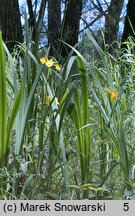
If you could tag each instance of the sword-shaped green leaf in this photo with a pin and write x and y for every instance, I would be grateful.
(3, 104)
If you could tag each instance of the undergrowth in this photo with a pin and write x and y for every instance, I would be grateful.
(67, 131)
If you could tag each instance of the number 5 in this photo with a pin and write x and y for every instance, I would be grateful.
(126, 207)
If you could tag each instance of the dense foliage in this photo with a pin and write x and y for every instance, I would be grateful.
(67, 131)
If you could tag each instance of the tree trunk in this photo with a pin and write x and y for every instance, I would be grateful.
(10, 22)
(54, 26)
(112, 23)
(70, 24)
(36, 20)
(129, 27)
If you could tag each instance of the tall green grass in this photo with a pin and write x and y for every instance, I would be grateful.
(81, 147)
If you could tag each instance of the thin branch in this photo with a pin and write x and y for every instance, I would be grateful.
(93, 21)
(100, 7)
(41, 14)
(32, 20)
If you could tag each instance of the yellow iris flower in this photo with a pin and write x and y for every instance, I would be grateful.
(43, 60)
(113, 94)
(58, 67)
(50, 63)
(47, 100)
